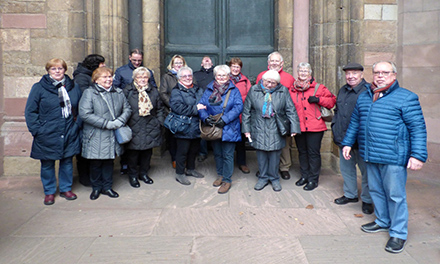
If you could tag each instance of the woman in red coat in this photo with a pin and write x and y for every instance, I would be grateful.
(312, 126)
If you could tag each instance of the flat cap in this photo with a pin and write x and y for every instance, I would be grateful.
(353, 66)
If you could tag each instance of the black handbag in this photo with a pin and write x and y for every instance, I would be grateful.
(177, 123)
(210, 133)
(325, 113)
(283, 124)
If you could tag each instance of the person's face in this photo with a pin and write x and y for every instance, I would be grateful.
(235, 69)
(142, 79)
(221, 77)
(383, 74)
(303, 74)
(177, 64)
(102, 64)
(136, 59)
(206, 63)
(186, 78)
(57, 72)
(275, 62)
(270, 83)
(354, 77)
(105, 80)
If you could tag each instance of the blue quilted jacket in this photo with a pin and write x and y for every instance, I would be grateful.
(390, 130)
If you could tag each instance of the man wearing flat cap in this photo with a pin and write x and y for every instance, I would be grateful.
(345, 104)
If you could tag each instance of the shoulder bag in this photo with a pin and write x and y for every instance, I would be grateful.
(123, 134)
(325, 113)
(177, 123)
(210, 133)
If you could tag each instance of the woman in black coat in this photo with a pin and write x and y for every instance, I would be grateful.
(184, 102)
(145, 121)
(51, 112)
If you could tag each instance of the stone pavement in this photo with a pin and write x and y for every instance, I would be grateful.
(170, 223)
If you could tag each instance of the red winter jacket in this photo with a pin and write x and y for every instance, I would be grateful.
(286, 79)
(308, 113)
(243, 86)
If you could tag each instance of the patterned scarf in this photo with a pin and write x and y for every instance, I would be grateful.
(378, 92)
(144, 103)
(219, 90)
(267, 106)
(302, 86)
(63, 97)
(235, 78)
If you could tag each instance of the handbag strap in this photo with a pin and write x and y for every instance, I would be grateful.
(226, 100)
(108, 105)
(316, 105)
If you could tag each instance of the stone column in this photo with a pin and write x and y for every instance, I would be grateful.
(300, 33)
(152, 10)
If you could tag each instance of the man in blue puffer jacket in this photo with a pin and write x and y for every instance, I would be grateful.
(389, 126)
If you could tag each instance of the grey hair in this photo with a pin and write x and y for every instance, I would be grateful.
(222, 67)
(184, 68)
(275, 53)
(272, 74)
(139, 71)
(305, 65)
(393, 65)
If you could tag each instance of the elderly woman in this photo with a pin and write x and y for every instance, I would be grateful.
(243, 84)
(312, 126)
(147, 116)
(267, 101)
(184, 102)
(167, 83)
(103, 109)
(213, 98)
(51, 112)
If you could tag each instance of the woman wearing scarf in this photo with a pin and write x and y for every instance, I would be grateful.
(243, 84)
(103, 109)
(146, 119)
(51, 113)
(264, 101)
(213, 98)
(312, 126)
(184, 102)
(167, 83)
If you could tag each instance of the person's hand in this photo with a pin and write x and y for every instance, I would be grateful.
(293, 134)
(248, 135)
(220, 123)
(346, 152)
(210, 121)
(313, 99)
(201, 106)
(414, 164)
(115, 124)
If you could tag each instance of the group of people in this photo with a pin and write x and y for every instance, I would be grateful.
(377, 126)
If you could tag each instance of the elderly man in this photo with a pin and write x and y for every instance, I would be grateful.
(124, 74)
(346, 101)
(389, 126)
(275, 62)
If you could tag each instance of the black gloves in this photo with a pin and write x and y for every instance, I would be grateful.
(313, 99)
(220, 123)
(210, 121)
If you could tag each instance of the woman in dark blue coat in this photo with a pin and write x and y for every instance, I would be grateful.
(51, 112)
(213, 98)
(184, 102)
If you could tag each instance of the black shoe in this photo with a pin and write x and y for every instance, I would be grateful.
(110, 193)
(257, 174)
(201, 158)
(301, 182)
(95, 194)
(367, 208)
(134, 182)
(373, 228)
(285, 175)
(310, 186)
(345, 200)
(395, 245)
(146, 179)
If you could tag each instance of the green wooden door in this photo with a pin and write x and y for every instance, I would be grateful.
(221, 29)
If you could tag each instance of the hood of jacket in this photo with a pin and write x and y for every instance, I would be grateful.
(82, 70)
(46, 83)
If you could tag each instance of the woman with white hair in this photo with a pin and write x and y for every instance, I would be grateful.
(213, 98)
(266, 102)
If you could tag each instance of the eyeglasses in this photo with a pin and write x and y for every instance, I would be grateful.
(56, 69)
(186, 76)
(141, 78)
(222, 75)
(270, 82)
(303, 71)
(178, 63)
(383, 73)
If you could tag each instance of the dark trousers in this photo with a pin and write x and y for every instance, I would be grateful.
(269, 164)
(83, 166)
(101, 174)
(141, 157)
(187, 150)
(240, 148)
(309, 151)
(224, 158)
(171, 144)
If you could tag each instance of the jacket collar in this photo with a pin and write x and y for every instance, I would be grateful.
(359, 87)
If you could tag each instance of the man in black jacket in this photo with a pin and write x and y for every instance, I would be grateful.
(345, 104)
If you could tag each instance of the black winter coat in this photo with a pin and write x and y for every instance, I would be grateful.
(55, 137)
(146, 129)
(204, 77)
(184, 101)
(83, 77)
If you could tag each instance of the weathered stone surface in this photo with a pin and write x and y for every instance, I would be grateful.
(12, 7)
(23, 21)
(425, 31)
(18, 86)
(58, 24)
(384, 37)
(20, 166)
(151, 11)
(373, 12)
(15, 39)
(17, 139)
(421, 55)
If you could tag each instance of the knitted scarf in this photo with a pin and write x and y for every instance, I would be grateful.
(144, 103)
(267, 105)
(378, 92)
(63, 97)
(235, 78)
(302, 86)
(219, 90)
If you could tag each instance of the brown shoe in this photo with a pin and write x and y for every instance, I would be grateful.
(174, 164)
(69, 195)
(49, 199)
(224, 188)
(244, 169)
(218, 182)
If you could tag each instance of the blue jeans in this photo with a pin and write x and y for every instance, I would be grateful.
(224, 158)
(348, 171)
(387, 189)
(65, 175)
(203, 150)
(269, 164)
